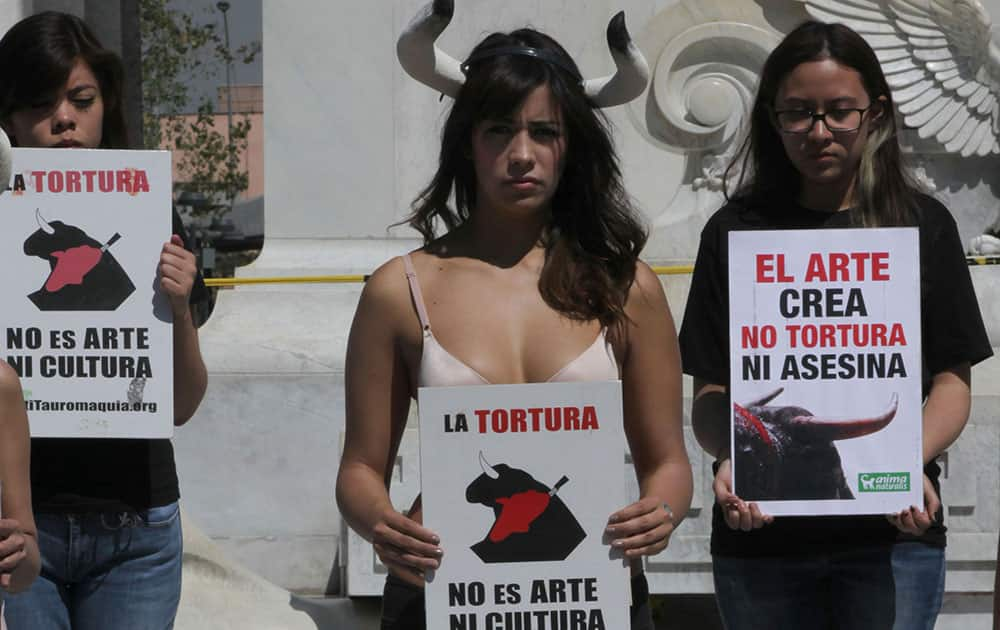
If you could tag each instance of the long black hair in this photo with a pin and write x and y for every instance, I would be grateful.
(884, 193)
(38, 53)
(593, 238)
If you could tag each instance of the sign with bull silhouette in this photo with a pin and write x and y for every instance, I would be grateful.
(825, 370)
(84, 323)
(519, 481)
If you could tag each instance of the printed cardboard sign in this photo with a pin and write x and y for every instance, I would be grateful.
(826, 370)
(519, 482)
(84, 322)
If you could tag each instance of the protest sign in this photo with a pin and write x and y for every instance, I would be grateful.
(825, 370)
(84, 322)
(519, 482)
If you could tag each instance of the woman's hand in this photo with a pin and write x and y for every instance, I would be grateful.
(641, 529)
(916, 521)
(405, 546)
(178, 269)
(12, 549)
(738, 513)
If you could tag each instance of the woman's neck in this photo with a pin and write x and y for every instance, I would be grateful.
(503, 239)
(832, 197)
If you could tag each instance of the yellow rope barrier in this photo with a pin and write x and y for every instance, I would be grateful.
(673, 270)
(229, 282)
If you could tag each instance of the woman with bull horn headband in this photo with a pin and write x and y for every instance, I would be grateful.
(543, 233)
(107, 511)
(822, 152)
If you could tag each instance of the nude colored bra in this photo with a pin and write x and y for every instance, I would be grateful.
(440, 368)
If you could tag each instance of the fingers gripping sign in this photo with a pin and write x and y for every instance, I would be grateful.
(642, 528)
(405, 546)
(914, 520)
(738, 513)
(178, 270)
(12, 549)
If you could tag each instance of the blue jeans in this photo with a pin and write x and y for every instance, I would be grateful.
(919, 573)
(105, 571)
(849, 590)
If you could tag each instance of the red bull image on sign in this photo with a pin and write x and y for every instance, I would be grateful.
(83, 276)
(532, 523)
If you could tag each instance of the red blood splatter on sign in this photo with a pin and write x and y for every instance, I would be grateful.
(519, 511)
(71, 266)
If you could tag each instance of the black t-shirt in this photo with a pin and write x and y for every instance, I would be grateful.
(952, 333)
(100, 474)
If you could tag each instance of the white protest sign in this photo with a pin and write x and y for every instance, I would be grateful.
(519, 482)
(84, 322)
(825, 370)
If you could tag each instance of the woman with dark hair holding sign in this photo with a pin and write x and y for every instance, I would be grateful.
(107, 513)
(822, 152)
(537, 279)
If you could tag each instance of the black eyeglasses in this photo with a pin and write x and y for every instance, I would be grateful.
(837, 119)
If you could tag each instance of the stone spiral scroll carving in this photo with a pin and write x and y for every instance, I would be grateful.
(705, 64)
(702, 85)
(940, 61)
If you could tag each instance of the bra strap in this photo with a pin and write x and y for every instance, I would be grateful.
(418, 299)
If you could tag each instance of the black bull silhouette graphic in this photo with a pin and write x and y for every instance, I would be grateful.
(83, 275)
(532, 523)
(787, 453)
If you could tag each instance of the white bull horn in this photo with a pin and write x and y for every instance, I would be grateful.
(419, 54)
(42, 223)
(6, 162)
(631, 74)
(422, 59)
(489, 470)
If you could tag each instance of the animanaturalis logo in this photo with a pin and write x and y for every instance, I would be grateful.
(884, 482)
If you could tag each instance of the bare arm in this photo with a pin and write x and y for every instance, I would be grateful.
(712, 421)
(710, 418)
(946, 410)
(19, 559)
(178, 270)
(651, 387)
(945, 414)
(378, 399)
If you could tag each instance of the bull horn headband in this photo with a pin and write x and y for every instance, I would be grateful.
(422, 59)
(525, 51)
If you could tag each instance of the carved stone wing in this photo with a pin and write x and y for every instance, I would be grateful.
(940, 62)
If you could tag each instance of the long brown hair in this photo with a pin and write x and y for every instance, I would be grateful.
(593, 237)
(36, 57)
(885, 193)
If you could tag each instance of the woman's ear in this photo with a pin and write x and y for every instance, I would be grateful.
(879, 109)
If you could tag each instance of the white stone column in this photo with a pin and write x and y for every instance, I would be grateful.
(11, 12)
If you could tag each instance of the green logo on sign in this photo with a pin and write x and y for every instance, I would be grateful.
(884, 482)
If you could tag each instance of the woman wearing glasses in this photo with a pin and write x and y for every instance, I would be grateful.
(822, 152)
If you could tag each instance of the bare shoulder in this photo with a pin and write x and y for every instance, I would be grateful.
(646, 291)
(386, 287)
(386, 304)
